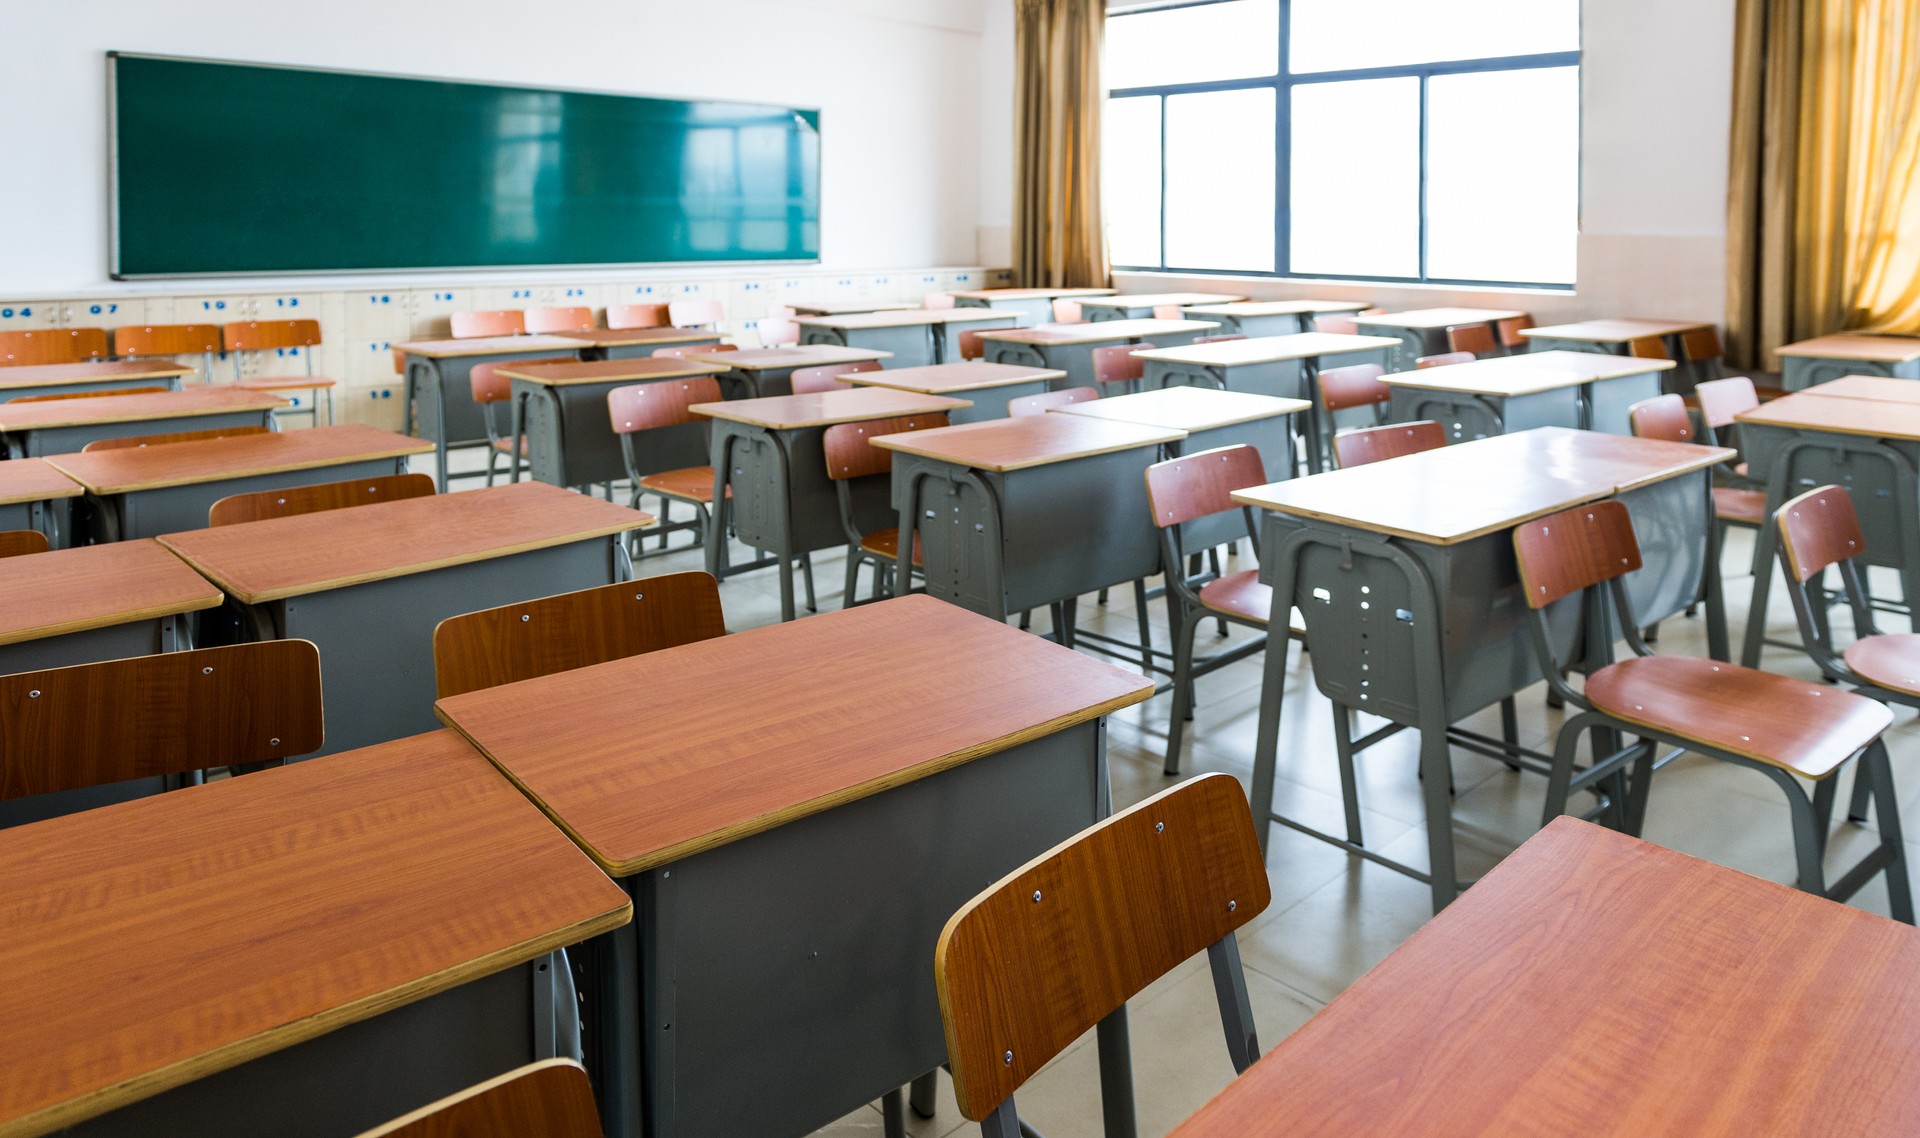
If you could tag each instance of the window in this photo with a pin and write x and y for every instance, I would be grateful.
(1393, 140)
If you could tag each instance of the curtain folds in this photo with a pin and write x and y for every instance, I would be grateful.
(1059, 237)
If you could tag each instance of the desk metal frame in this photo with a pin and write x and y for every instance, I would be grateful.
(439, 403)
(1801, 372)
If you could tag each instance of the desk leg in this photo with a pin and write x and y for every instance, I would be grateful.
(717, 515)
(1116, 1074)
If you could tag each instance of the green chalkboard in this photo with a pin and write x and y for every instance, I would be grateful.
(227, 168)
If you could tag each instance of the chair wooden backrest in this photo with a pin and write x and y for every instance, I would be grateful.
(1724, 400)
(91, 394)
(542, 320)
(489, 386)
(52, 346)
(695, 313)
(1055, 947)
(266, 335)
(1663, 417)
(1336, 325)
(548, 1099)
(1574, 549)
(1475, 338)
(629, 316)
(1201, 485)
(1700, 345)
(132, 441)
(1371, 312)
(1217, 339)
(777, 330)
(1118, 364)
(851, 454)
(1040, 404)
(1818, 529)
(1362, 445)
(825, 377)
(684, 351)
(261, 504)
(1508, 331)
(1443, 359)
(499, 322)
(662, 403)
(939, 300)
(1067, 311)
(93, 724)
(1357, 385)
(132, 341)
(1648, 348)
(574, 630)
(20, 542)
(972, 347)
(1168, 312)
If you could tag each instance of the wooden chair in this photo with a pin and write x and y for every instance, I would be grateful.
(1508, 331)
(548, 1099)
(696, 314)
(687, 351)
(560, 320)
(850, 456)
(1648, 348)
(262, 504)
(574, 630)
(1476, 339)
(1059, 945)
(938, 300)
(91, 394)
(132, 441)
(1702, 348)
(972, 347)
(1067, 311)
(1336, 325)
(1665, 417)
(298, 337)
(145, 341)
(1362, 445)
(1180, 492)
(1722, 402)
(21, 542)
(499, 322)
(1040, 404)
(629, 316)
(1444, 359)
(1168, 312)
(52, 346)
(1118, 365)
(776, 331)
(490, 388)
(826, 377)
(1358, 385)
(640, 407)
(178, 712)
(1786, 728)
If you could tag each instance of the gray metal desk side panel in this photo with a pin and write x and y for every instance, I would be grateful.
(1466, 416)
(571, 442)
(912, 345)
(1030, 310)
(1610, 401)
(946, 337)
(112, 642)
(73, 386)
(53, 518)
(172, 509)
(1801, 372)
(643, 349)
(68, 440)
(783, 501)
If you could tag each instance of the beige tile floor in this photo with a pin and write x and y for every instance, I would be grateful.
(1334, 916)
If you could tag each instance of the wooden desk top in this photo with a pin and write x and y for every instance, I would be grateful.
(1615, 331)
(972, 375)
(1468, 490)
(100, 371)
(157, 941)
(1847, 346)
(1732, 1006)
(638, 370)
(797, 356)
(1186, 408)
(1267, 349)
(153, 406)
(903, 319)
(493, 346)
(1807, 410)
(1439, 317)
(1589, 366)
(33, 480)
(622, 337)
(825, 408)
(1160, 299)
(846, 704)
(95, 586)
(1879, 388)
(1274, 307)
(128, 469)
(1097, 331)
(275, 558)
(846, 307)
(1002, 445)
(1032, 293)
(1507, 376)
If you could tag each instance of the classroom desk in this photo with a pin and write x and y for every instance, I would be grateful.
(562, 409)
(1808, 439)
(100, 375)
(1140, 306)
(1725, 1005)
(62, 425)
(990, 387)
(635, 343)
(915, 338)
(1209, 418)
(98, 602)
(1423, 331)
(1516, 393)
(756, 373)
(846, 307)
(794, 854)
(1268, 317)
(1874, 388)
(1405, 575)
(1615, 337)
(145, 491)
(1069, 347)
(1815, 361)
(306, 951)
(369, 584)
(34, 495)
(1016, 514)
(439, 395)
(1035, 305)
(769, 453)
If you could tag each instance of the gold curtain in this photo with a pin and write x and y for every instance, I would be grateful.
(1823, 207)
(1059, 238)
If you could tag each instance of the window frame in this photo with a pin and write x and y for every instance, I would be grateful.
(1282, 82)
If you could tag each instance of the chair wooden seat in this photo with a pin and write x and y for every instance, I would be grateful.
(1891, 660)
(286, 383)
(1805, 728)
(1239, 594)
(886, 543)
(1730, 503)
(689, 484)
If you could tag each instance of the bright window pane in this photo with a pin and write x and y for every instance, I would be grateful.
(1130, 180)
(1235, 40)
(1220, 180)
(1338, 35)
(1355, 178)
(1503, 175)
